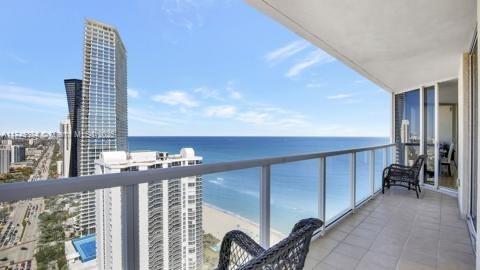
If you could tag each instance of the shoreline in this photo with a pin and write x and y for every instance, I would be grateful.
(218, 222)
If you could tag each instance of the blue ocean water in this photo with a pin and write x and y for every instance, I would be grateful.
(294, 186)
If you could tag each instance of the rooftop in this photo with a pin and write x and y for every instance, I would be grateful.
(144, 157)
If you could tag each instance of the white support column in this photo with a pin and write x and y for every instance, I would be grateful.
(353, 180)
(131, 247)
(372, 172)
(265, 207)
(392, 120)
(385, 154)
(322, 187)
(422, 129)
(436, 145)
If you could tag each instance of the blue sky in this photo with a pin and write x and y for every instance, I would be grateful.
(194, 68)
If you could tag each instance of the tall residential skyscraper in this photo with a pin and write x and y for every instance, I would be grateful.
(73, 88)
(103, 113)
(170, 213)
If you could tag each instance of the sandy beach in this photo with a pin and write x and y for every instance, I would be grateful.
(218, 222)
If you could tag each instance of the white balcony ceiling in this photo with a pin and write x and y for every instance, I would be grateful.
(398, 45)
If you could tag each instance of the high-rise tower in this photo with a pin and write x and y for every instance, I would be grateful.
(103, 112)
(73, 88)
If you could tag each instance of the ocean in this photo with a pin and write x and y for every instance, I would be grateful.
(294, 186)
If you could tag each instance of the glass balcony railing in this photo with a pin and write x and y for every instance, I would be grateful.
(178, 216)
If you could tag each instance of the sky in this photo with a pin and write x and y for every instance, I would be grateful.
(195, 67)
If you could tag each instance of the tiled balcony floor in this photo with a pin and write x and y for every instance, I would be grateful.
(397, 231)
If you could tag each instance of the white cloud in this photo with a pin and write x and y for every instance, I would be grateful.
(340, 96)
(273, 116)
(207, 92)
(360, 81)
(16, 58)
(315, 57)
(132, 93)
(315, 85)
(188, 14)
(254, 117)
(222, 111)
(286, 51)
(31, 96)
(234, 94)
(150, 117)
(176, 98)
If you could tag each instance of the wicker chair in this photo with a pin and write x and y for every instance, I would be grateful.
(404, 176)
(239, 251)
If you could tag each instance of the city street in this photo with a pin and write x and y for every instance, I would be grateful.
(18, 242)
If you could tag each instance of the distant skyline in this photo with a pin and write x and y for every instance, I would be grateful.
(195, 68)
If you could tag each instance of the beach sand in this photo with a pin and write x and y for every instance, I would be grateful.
(218, 222)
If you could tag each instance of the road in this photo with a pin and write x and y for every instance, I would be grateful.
(21, 245)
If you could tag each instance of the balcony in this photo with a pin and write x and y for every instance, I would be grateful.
(364, 229)
(397, 231)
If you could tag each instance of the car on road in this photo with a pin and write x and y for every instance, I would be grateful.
(4, 259)
(23, 248)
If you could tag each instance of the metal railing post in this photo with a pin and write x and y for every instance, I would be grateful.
(265, 207)
(353, 180)
(372, 172)
(131, 222)
(385, 158)
(322, 187)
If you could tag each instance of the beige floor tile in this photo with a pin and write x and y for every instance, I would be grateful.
(352, 251)
(411, 265)
(398, 231)
(359, 241)
(310, 263)
(341, 261)
(324, 266)
(375, 259)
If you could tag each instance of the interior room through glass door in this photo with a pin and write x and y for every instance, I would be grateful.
(429, 134)
(448, 134)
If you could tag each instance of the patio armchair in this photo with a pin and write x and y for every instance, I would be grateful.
(404, 176)
(240, 252)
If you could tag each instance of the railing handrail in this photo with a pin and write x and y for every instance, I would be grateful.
(44, 188)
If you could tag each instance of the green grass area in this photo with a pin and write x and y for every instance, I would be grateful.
(16, 175)
(51, 248)
(52, 170)
(210, 257)
(48, 257)
(56, 156)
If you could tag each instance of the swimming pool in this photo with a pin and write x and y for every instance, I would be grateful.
(86, 247)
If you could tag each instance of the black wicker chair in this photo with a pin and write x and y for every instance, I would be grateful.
(241, 252)
(404, 176)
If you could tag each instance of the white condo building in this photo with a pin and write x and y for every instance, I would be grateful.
(5, 157)
(18, 153)
(170, 213)
(103, 108)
